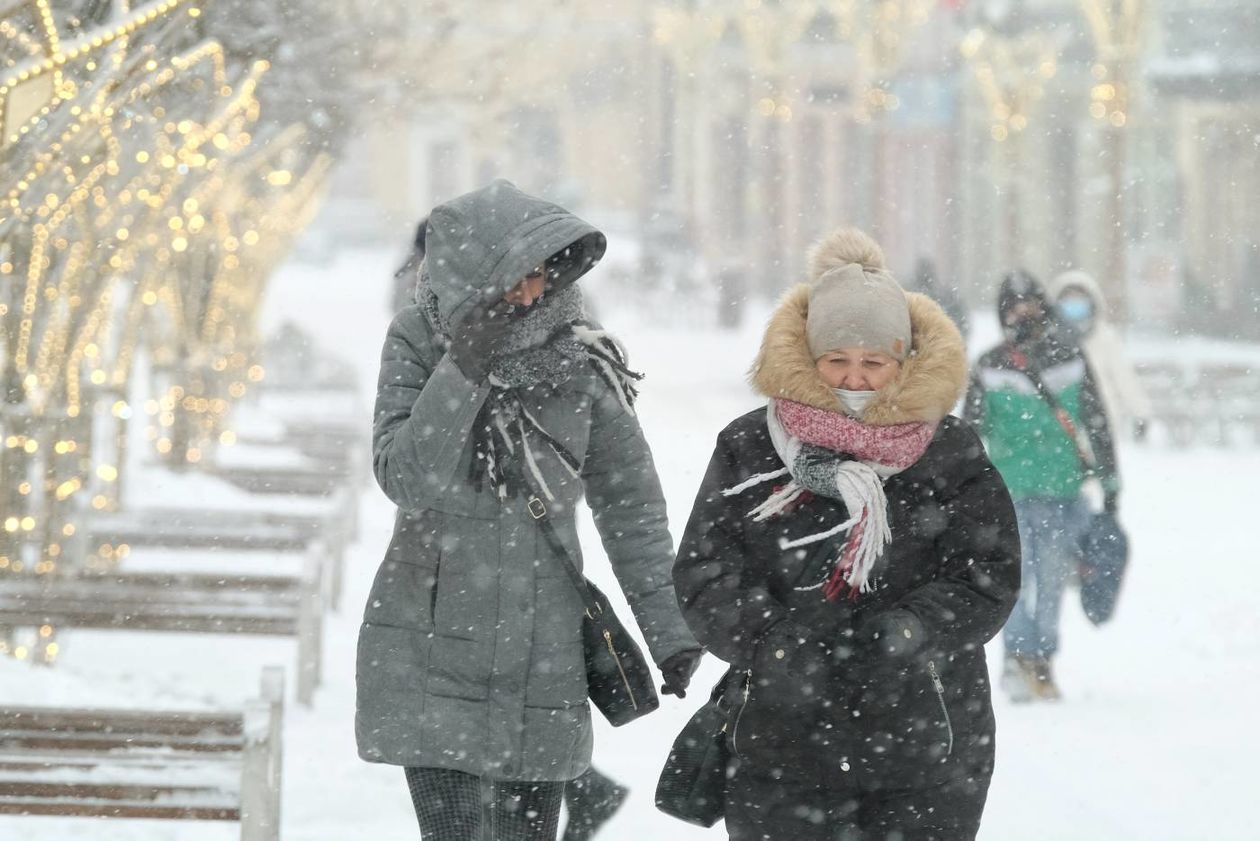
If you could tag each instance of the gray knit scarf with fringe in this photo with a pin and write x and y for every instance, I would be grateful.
(547, 346)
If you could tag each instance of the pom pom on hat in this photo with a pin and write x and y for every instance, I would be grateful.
(855, 302)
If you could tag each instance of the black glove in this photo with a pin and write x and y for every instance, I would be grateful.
(1111, 503)
(677, 670)
(476, 339)
(893, 633)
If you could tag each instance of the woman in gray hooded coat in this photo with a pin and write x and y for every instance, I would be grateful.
(494, 387)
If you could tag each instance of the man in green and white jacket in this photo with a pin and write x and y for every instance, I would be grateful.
(1043, 465)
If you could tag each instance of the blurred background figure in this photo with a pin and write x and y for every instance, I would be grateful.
(1034, 402)
(1081, 304)
(408, 274)
(925, 282)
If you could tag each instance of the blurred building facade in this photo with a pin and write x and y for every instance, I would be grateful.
(981, 135)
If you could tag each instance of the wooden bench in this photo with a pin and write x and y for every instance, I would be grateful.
(1204, 404)
(1167, 384)
(1231, 393)
(264, 605)
(198, 766)
(322, 480)
(226, 530)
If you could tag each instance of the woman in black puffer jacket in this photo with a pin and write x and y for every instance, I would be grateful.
(850, 552)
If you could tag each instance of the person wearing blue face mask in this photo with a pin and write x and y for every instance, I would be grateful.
(1081, 304)
(1035, 402)
(1077, 309)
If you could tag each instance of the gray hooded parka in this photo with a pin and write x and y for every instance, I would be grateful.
(470, 653)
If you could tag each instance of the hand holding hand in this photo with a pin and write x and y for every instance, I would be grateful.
(1111, 503)
(677, 670)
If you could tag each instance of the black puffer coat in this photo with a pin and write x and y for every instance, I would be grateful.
(825, 692)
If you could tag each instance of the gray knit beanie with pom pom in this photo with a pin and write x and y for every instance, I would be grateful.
(855, 302)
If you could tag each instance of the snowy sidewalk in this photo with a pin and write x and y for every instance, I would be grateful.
(1155, 739)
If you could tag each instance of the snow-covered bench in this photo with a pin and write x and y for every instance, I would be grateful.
(1232, 390)
(175, 765)
(1171, 407)
(341, 445)
(211, 603)
(236, 529)
(1206, 403)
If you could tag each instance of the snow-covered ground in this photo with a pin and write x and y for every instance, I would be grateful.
(1156, 738)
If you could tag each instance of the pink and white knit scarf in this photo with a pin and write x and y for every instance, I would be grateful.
(866, 456)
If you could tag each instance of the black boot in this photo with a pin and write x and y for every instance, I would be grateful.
(591, 800)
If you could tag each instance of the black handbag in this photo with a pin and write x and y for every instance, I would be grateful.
(618, 677)
(1104, 557)
(692, 785)
(1104, 547)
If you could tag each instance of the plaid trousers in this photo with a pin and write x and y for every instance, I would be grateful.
(455, 806)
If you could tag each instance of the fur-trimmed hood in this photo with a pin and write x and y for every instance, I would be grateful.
(930, 383)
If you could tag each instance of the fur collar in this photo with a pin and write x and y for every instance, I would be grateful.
(930, 383)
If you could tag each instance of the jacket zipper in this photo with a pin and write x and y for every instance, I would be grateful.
(740, 714)
(940, 696)
(433, 593)
(624, 680)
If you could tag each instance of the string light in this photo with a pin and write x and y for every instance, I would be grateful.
(97, 281)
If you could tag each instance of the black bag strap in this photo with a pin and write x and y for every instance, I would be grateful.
(538, 510)
(1061, 414)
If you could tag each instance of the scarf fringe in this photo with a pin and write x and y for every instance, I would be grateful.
(754, 480)
(540, 481)
(608, 357)
(496, 447)
(777, 502)
(859, 484)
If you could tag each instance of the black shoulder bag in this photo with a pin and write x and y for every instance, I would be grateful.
(618, 677)
(1104, 546)
(692, 785)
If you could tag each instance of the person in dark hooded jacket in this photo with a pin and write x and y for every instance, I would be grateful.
(1039, 454)
(403, 291)
(497, 395)
(850, 551)
(926, 282)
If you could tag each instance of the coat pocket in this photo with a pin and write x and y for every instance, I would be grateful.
(459, 668)
(909, 734)
(557, 676)
(403, 595)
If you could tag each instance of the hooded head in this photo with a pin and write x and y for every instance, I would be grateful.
(478, 247)
(1024, 308)
(1079, 300)
(854, 301)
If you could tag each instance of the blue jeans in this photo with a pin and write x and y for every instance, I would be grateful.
(1050, 530)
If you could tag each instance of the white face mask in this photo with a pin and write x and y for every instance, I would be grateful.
(854, 402)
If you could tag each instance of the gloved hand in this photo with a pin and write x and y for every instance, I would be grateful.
(477, 337)
(1111, 503)
(893, 633)
(677, 670)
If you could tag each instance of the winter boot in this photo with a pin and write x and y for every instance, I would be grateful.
(1044, 686)
(1017, 679)
(591, 800)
